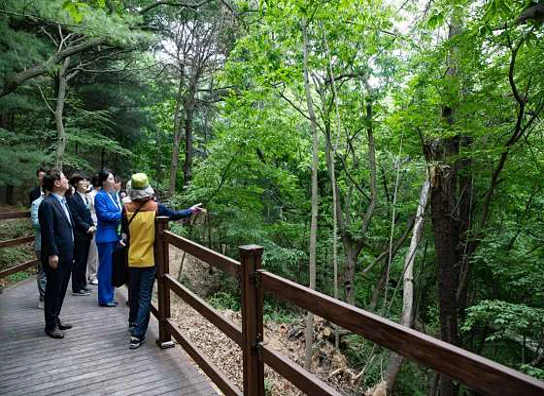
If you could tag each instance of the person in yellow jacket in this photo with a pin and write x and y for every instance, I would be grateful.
(138, 223)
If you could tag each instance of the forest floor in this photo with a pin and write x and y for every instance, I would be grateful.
(287, 338)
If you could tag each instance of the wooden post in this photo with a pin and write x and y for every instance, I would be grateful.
(162, 263)
(252, 320)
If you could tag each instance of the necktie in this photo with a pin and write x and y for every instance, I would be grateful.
(65, 207)
(67, 213)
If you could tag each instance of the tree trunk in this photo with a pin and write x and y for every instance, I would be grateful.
(353, 247)
(178, 112)
(59, 110)
(408, 282)
(444, 213)
(189, 113)
(351, 253)
(315, 198)
(467, 245)
(332, 171)
(393, 217)
(446, 237)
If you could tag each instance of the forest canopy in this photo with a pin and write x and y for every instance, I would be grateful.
(387, 153)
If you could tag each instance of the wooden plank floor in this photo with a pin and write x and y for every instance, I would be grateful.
(93, 358)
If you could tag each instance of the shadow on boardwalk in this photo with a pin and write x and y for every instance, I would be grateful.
(92, 359)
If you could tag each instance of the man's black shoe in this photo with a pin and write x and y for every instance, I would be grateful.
(87, 289)
(64, 326)
(54, 333)
(81, 293)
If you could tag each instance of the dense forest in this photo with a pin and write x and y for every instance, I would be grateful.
(387, 153)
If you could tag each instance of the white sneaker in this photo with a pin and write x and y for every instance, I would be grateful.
(94, 281)
(40, 304)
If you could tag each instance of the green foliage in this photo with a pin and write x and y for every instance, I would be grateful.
(506, 319)
(532, 371)
(223, 301)
(15, 255)
(273, 311)
(12, 229)
(19, 276)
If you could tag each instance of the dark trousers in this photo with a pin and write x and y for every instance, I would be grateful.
(42, 278)
(57, 283)
(81, 253)
(141, 288)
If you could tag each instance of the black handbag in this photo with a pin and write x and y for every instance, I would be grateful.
(119, 273)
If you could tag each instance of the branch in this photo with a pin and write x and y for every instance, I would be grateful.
(302, 113)
(397, 246)
(50, 36)
(45, 99)
(350, 177)
(174, 4)
(19, 78)
(35, 18)
(372, 162)
(511, 74)
(344, 76)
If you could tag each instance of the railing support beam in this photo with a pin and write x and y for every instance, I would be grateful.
(252, 320)
(162, 264)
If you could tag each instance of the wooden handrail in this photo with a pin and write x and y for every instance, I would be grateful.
(297, 375)
(231, 329)
(17, 241)
(18, 268)
(224, 263)
(284, 366)
(13, 215)
(473, 370)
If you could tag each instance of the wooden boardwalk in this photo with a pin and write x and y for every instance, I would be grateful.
(93, 358)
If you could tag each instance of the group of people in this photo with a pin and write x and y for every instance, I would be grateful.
(79, 220)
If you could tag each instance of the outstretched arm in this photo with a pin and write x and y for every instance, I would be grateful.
(178, 214)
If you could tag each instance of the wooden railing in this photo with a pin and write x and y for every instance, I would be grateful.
(470, 369)
(16, 242)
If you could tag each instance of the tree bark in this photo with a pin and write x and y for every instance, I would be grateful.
(189, 114)
(59, 113)
(354, 247)
(178, 115)
(315, 198)
(408, 282)
(332, 171)
(442, 153)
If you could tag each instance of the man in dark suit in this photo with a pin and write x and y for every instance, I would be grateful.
(57, 254)
(83, 233)
(36, 192)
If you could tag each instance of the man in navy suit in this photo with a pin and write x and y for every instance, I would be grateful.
(57, 254)
(83, 232)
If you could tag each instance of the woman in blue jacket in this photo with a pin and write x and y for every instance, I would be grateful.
(108, 233)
